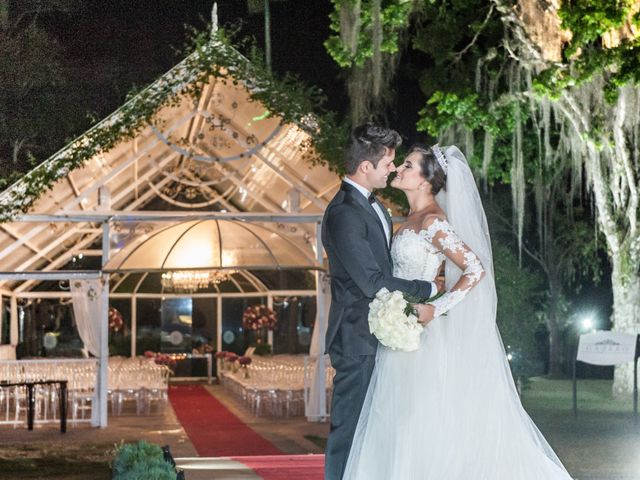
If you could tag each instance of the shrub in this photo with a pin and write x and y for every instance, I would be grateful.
(141, 461)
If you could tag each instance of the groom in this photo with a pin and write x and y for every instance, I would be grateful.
(356, 234)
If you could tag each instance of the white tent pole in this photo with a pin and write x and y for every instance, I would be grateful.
(13, 326)
(134, 324)
(316, 401)
(270, 332)
(219, 323)
(163, 216)
(103, 368)
(320, 290)
(322, 319)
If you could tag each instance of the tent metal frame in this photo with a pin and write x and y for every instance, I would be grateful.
(105, 219)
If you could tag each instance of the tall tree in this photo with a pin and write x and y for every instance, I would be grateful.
(30, 72)
(518, 310)
(368, 37)
(592, 89)
(472, 84)
(511, 139)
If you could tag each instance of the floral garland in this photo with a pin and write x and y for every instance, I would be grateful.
(258, 317)
(213, 56)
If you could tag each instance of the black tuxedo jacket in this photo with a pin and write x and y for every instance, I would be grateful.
(360, 265)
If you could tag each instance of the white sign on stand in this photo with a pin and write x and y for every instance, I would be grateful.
(607, 348)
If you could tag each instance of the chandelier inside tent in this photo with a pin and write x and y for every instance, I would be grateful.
(192, 280)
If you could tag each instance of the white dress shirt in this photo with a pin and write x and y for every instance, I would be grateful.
(383, 219)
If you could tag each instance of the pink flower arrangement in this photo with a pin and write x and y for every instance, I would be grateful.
(165, 359)
(161, 358)
(116, 322)
(244, 364)
(231, 357)
(258, 317)
(244, 361)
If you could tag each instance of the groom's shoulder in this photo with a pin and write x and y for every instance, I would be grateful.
(341, 209)
(341, 202)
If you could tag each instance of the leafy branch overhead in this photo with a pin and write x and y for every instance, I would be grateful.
(353, 46)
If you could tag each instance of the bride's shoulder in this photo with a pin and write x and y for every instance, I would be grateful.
(435, 225)
(431, 220)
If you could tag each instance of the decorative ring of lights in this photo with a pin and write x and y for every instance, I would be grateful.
(208, 159)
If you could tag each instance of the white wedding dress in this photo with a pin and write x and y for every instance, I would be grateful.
(450, 410)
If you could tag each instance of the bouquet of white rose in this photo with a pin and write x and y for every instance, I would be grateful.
(393, 320)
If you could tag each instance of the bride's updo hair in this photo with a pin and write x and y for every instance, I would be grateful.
(431, 170)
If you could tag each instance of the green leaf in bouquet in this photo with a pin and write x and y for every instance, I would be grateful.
(413, 300)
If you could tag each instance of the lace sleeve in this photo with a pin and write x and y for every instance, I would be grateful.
(441, 235)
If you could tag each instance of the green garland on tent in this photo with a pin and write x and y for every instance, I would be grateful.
(213, 56)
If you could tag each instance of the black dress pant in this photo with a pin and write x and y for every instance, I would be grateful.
(350, 384)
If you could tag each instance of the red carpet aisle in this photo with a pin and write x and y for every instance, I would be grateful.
(286, 467)
(214, 430)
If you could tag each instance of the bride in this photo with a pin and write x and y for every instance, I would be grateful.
(450, 410)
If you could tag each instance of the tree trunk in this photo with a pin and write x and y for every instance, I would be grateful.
(626, 315)
(603, 138)
(555, 351)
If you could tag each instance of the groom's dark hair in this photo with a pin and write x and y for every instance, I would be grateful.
(369, 142)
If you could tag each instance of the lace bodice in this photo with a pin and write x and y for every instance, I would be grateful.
(414, 257)
(417, 255)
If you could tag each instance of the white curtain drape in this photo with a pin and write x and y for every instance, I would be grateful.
(87, 307)
(316, 405)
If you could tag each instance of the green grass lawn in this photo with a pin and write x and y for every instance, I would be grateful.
(602, 442)
(593, 396)
(56, 461)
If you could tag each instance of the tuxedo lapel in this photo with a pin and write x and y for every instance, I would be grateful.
(388, 218)
(360, 199)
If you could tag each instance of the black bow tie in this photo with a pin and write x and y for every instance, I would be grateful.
(372, 198)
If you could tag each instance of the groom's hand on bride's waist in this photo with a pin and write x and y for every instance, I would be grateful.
(425, 312)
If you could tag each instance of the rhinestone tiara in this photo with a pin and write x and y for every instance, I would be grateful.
(440, 157)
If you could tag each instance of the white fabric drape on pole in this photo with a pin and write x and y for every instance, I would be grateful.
(316, 400)
(87, 308)
(87, 304)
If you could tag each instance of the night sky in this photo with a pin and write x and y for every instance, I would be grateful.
(120, 44)
(132, 43)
